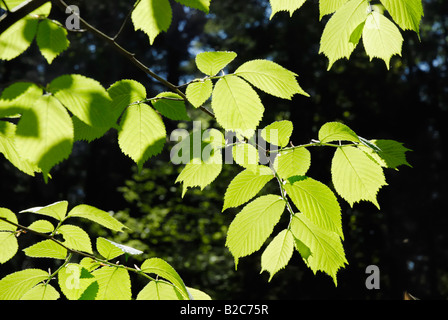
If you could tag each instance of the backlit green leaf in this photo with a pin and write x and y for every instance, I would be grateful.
(18, 97)
(55, 210)
(41, 292)
(17, 38)
(165, 270)
(114, 283)
(159, 290)
(99, 216)
(8, 246)
(110, 249)
(142, 133)
(336, 131)
(200, 173)
(285, 5)
(246, 155)
(172, 109)
(152, 17)
(76, 238)
(406, 13)
(253, 225)
(236, 105)
(388, 153)
(43, 226)
(46, 249)
(335, 42)
(356, 176)
(317, 202)
(9, 149)
(381, 38)
(202, 5)
(85, 98)
(294, 162)
(198, 92)
(330, 6)
(15, 285)
(327, 252)
(271, 78)
(44, 134)
(74, 280)
(278, 253)
(278, 133)
(10, 216)
(51, 39)
(211, 63)
(246, 185)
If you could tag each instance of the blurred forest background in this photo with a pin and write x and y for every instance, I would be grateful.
(407, 238)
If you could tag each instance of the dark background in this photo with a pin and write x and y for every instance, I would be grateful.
(407, 238)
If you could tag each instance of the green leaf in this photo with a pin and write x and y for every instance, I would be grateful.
(202, 5)
(198, 92)
(41, 292)
(253, 225)
(336, 131)
(356, 176)
(159, 290)
(278, 133)
(278, 253)
(8, 246)
(51, 39)
(44, 134)
(75, 238)
(198, 294)
(165, 270)
(271, 78)
(285, 5)
(114, 283)
(107, 249)
(85, 132)
(9, 149)
(246, 185)
(200, 173)
(141, 134)
(18, 97)
(85, 98)
(317, 202)
(172, 109)
(236, 105)
(388, 153)
(211, 63)
(327, 252)
(110, 249)
(10, 216)
(17, 38)
(381, 38)
(293, 162)
(125, 92)
(335, 42)
(55, 210)
(46, 249)
(43, 226)
(96, 215)
(406, 13)
(330, 6)
(75, 281)
(15, 285)
(246, 155)
(152, 17)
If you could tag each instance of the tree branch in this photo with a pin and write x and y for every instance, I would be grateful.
(19, 12)
(130, 56)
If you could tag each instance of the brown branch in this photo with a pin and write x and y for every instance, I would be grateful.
(19, 12)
